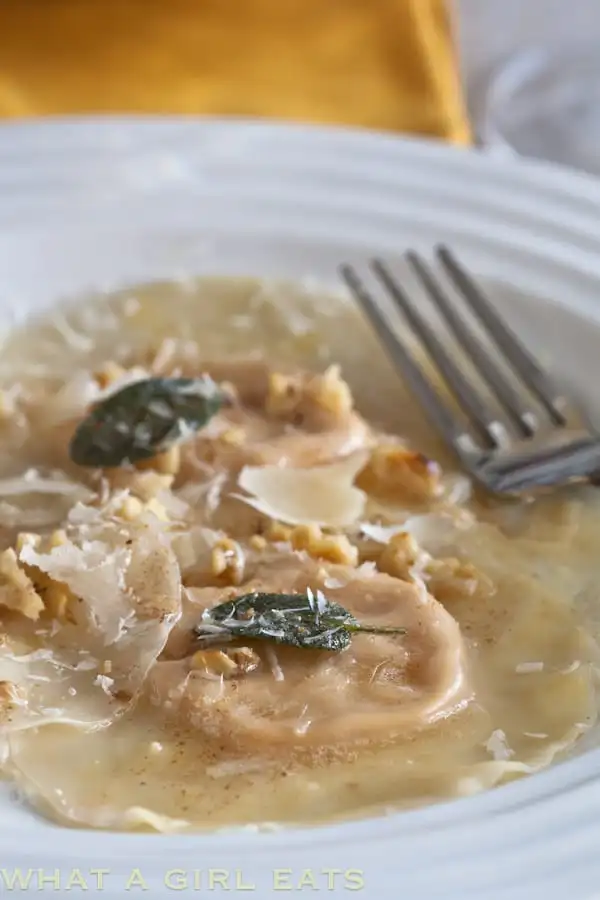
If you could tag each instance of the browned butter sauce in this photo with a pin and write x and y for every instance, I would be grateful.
(494, 679)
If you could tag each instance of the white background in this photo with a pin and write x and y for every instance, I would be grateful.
(490, 29)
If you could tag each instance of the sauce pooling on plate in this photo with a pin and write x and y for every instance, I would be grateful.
(240, 582)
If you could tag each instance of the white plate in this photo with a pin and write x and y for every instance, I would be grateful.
(95, 203)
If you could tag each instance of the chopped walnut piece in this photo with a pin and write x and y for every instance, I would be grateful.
(27, 539)
(156, 507)
(285, 392)
(57, 598)
(451, 580)
(227, 561)
(59, 601)
(395, 471)
(278, 533)
(143, 485)
(166, 463)
(17, 590)
(233, 436)
(226, 663)
(11, 695)
(335, 548)
(58, 538)
(318, 401)
(399, 556)
(132, 508)
(303, 537)
(447, 579)
(331, 393)
(110, 372)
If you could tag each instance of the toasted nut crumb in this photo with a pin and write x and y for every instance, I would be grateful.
(284, 394)
(11, 695)
(234, 436)
(130, 509)
(166, 463)
(143, 485)
(450, 580)
(305, 536)
(17, 590)
(320, 401)
(214, 661)
(57, 600)
(109, 373)
(56, 597)
(227, 561)
(226, 663)
(278, 533)
(335, 548)
(158, 509)
(27, 539)
(399, 556)
(396, 471)
(331, 393)
(258, 542)
(58, 538)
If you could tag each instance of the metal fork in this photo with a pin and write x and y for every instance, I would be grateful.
(541, 441)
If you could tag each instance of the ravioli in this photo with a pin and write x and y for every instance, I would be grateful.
(470, 654)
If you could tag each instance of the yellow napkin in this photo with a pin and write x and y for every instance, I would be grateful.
(385, 64)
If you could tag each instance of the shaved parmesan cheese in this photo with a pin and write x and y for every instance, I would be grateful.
(173, 506)
(194, 546)
(457, 488)
(525, 668)
(486, 775)
(48, 687)
(274, 663)
(497, 745)
(128, 583)
(10, 487)
(381, 533)
(431, 531)
(323, 495)
(92, 571)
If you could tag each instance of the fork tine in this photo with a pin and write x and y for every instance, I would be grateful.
(523, 417)
(404, 362)
(487, 422)
(505, 339)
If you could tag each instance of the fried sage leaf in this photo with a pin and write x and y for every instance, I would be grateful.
(143, 419)
(308, 621)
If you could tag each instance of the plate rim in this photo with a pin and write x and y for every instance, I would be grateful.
(558, 181)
